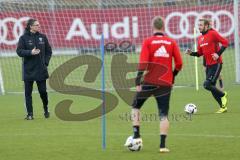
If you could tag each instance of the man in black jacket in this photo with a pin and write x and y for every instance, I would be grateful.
(36, 52)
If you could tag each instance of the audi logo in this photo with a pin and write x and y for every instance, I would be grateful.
(184, 23)
(12, 28)
(16, 31)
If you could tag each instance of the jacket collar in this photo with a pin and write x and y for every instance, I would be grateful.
(203, 33)
(158, 34)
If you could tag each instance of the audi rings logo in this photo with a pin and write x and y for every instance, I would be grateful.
(184, 23)
(11, 29)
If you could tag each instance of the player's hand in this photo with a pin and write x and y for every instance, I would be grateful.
(215, 56)
(139, 88)
(173, 79)
(35, 51)
(188, 51)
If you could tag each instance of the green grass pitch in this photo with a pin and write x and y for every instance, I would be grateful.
(205, 136)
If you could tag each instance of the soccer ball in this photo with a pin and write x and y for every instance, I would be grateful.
(134, 144)
(190, 108)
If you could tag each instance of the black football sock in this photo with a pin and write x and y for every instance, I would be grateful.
(162, 140)
(45, 109)
(217, 98)
(216, 91)
(136, 131)
(220, 83)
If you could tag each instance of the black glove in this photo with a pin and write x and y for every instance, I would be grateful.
(222, 49)
(175, 72)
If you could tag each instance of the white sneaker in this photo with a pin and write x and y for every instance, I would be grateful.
(164, 150)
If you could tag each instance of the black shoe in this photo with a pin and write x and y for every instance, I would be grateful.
(29, 117)
(47, 114)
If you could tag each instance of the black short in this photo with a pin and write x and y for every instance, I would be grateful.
(212, 73)
(161, 94)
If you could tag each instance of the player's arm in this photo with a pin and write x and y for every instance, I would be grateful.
(223, 41)
(177, 60)
(21, 51)
(48, 51)
(204, 62)
(191, 53)
(195, 54)
(143, 62)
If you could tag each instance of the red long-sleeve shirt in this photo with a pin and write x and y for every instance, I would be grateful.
(208, 44)
(156, 57)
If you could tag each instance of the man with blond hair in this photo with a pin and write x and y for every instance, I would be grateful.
(157, 54)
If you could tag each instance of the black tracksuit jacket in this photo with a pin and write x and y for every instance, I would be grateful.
(34, 67)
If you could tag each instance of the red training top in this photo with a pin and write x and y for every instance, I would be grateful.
(208, 44)
(156, 57)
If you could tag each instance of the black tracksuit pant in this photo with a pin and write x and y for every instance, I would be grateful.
(212, 74)
(42, 89)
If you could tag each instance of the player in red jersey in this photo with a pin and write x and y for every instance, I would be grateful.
(156, 57)
(208, 46)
